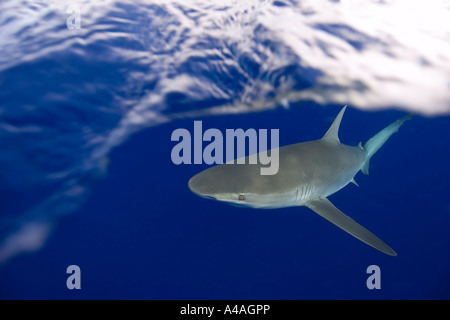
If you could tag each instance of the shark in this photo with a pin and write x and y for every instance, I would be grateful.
(309, 172)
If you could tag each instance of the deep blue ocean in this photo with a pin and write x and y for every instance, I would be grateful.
(86, 176)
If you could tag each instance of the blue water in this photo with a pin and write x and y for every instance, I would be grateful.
(86, 176)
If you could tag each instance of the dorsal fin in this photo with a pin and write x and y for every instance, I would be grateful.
(332, 133)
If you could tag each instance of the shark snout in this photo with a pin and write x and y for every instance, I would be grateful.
(200, 186)
(193, 185)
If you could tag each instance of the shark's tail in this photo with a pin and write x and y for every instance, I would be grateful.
(379, 139)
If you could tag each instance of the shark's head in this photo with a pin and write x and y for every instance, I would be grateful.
(231, 184)
(210, 186)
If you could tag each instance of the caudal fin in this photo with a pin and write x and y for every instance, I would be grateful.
(379, 139)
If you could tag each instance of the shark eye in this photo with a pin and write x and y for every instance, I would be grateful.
(242, 197)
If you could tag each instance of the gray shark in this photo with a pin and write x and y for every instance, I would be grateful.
(308, 173)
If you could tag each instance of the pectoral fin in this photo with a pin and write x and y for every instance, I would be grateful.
(327, 210)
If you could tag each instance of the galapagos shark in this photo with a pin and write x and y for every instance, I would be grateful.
(308, 173)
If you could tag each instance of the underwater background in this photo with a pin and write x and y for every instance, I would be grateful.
(91, 91)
